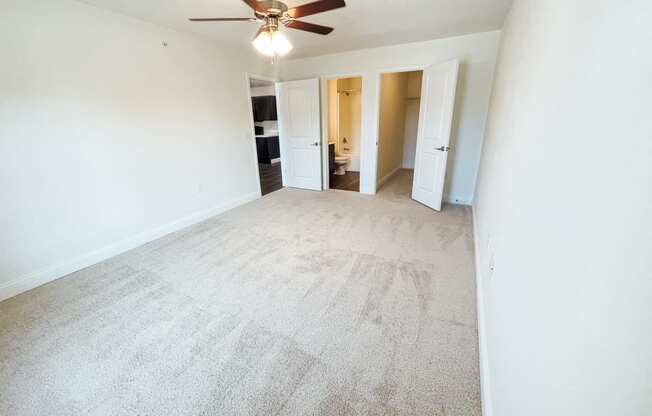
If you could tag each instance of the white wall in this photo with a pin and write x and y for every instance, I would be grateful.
(108, 139)
(564, 200)
(263, 91)
(391, 128)
(412, 109)
(477, 54)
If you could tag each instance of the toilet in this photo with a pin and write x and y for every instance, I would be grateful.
(341, 161)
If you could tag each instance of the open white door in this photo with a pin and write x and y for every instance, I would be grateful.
(433, 139)
(299, 133)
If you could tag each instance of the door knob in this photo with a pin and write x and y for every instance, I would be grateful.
(315, 144)
(443, 148)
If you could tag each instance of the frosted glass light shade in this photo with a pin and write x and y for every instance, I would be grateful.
(272, 43)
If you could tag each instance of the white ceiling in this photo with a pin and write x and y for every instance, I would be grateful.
(362, 24)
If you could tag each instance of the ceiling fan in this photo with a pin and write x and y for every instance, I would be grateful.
(268, 40)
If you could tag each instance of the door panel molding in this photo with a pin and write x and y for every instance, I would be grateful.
(299, 126)
(439, 87)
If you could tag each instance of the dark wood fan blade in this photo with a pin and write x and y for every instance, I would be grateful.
(255, 5)
(315, 7)
(223, 19)
(309, 27)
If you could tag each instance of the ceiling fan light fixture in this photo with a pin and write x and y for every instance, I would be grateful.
(271, 42)
(274, 14)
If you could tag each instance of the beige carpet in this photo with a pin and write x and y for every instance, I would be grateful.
(300, 303)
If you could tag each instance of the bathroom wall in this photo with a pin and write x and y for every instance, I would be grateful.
(350, 119)
(393, 99)
(332, 112)
(412, 107)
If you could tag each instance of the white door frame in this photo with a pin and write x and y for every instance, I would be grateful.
(248, 77)
(378, 96)
(324, 120)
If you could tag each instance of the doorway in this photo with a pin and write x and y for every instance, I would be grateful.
(264, 112)
(400, 104)
(436, 95)
(344, 133)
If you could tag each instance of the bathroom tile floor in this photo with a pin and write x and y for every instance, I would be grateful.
(348, 182)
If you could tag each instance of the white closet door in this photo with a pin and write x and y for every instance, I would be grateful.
(435, 122)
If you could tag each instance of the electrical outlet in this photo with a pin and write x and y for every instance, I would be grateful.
(200, 188)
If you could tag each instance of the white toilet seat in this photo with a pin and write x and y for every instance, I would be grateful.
(340, 164)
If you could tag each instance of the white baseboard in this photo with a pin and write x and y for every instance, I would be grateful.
(485, 380)
(387, 177)
(451, 199)
(457, 200)
(40, 277)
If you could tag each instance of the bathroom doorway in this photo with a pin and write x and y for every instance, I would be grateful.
(400, 105)
(344, 133)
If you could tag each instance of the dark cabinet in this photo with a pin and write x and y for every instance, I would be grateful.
(268, 148)
(331, 162)
(264, 108)
(273, 147)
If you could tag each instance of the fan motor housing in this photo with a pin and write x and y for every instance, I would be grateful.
(274, 7)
